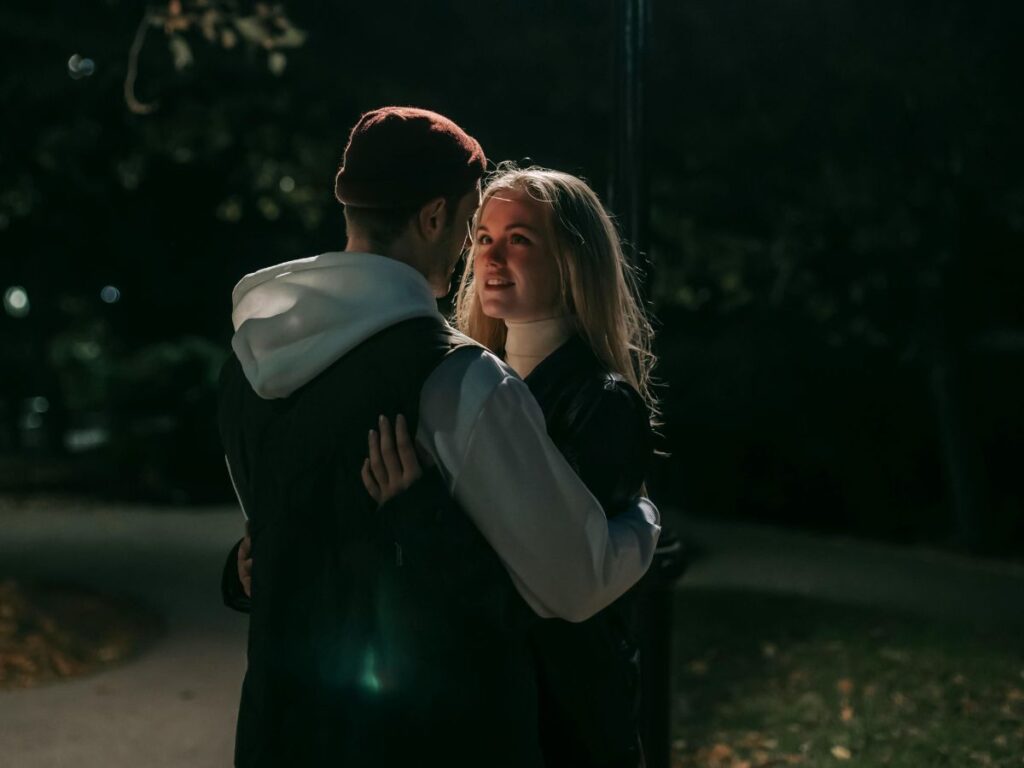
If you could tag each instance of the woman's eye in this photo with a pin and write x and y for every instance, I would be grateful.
(519, 240)
(483, 239)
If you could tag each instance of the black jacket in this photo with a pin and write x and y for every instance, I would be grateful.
(356, 657)
(588, 673)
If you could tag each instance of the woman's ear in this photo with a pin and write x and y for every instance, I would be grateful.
(432, 219)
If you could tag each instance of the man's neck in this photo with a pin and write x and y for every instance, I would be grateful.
(396, 251)
(356, 244)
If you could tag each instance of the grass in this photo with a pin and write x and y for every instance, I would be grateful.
(773, 681)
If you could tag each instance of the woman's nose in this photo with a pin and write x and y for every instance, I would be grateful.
(495, 253)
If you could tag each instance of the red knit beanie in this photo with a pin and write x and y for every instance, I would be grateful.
(401, 157)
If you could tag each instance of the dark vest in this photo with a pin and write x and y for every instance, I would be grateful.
(354, 658)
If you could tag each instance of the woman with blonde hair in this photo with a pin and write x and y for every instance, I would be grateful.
(548, 289)
(566, 239)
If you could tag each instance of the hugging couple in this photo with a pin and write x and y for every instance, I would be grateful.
(444, 522)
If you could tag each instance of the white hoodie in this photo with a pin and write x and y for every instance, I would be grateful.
(477, 419)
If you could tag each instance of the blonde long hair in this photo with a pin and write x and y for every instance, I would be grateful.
(598, 285)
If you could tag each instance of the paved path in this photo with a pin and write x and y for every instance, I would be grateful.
(175, 705)
(918, 581)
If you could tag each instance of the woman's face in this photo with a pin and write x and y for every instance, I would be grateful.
(514, 269)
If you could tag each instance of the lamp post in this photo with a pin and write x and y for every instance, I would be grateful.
(628, 197)
(627, 188)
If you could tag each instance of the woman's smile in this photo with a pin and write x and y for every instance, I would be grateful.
(497, 283)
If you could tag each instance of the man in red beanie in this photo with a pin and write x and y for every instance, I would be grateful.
(354, 658)
(397, 159)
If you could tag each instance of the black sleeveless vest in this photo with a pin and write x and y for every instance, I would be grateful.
(355, 659)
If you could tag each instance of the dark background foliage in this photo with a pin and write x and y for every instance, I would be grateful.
(837, 227)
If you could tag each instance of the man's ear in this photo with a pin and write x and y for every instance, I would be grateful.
(432, 218)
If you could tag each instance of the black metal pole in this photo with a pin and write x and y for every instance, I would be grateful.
(628, 185)
(654, 636)
(628, 198)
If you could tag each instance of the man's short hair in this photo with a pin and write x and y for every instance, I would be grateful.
(382, 226)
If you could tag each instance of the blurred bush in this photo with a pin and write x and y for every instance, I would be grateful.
(141, 424)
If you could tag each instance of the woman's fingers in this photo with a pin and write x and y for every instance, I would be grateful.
(406, 451)
(380, 471)
(245, 565)
(369, 482)
(388, 452)
(245, 557)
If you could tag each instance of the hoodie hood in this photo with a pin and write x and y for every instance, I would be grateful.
(293, 320)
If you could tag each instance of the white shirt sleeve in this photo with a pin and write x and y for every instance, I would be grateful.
(488, 436)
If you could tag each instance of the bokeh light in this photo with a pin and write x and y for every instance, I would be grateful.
(16, 302)
(79, 67)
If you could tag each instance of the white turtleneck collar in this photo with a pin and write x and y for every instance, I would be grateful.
(530, 342)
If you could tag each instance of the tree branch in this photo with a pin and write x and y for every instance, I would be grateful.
(133, 103)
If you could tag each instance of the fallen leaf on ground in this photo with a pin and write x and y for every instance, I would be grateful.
(840, 752)
(719, 756)
(720, 752)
